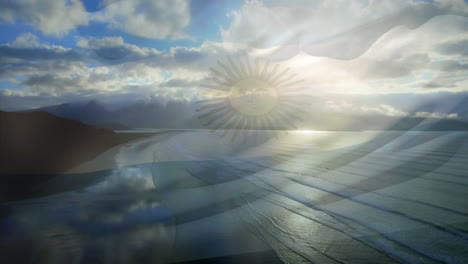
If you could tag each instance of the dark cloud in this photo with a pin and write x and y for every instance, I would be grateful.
(112, 50)
(25, 58)
(11, 54)
(450, 66)
(395, 68)
(50, 83)
(177, 82)
(435, 85)
(459, 48)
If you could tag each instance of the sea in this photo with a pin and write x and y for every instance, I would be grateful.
(186, 196)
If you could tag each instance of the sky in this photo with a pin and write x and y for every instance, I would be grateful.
(382, 52)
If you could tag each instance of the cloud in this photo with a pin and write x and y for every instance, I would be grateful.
(181, 83)
(444, 80)
(22, 100)
(437, 115)
(450, 66)
(53, 84)
(394, 67)
(126, 180)
(105, 65)
(459, 7)
(114, 49)
(343, 106)
(14, 54)
(28, 56)
(361, 109)
(148, 19)
(459, 48)
(338, 29)
(27, 40)
(435, 85)
(52, 17)
(55, 70)
(402, 60)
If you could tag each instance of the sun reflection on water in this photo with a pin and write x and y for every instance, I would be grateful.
(308, 131)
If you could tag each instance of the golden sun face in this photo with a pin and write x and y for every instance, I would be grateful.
(253, 97)
(246, 97)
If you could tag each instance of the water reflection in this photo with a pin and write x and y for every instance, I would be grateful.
(321, 197)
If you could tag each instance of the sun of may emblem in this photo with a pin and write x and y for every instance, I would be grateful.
(251, 96)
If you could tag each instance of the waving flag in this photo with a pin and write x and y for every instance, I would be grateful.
(273, 131)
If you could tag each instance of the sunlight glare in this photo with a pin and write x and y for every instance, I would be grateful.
(307, 131)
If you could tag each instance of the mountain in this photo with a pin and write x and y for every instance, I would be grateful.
(142, 114)
(37, 147)
(41, 143)
(89, 112)
(182, 115)
(112, 126)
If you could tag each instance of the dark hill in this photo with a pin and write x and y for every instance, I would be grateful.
(41, 143)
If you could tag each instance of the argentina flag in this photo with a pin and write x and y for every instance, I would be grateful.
(245, 131)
